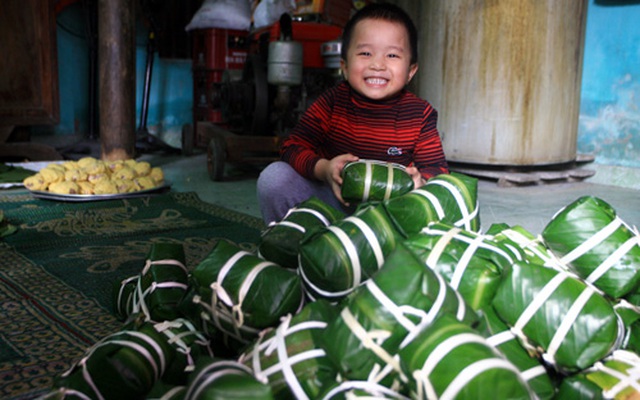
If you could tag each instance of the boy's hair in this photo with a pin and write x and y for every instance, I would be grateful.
(383, 11)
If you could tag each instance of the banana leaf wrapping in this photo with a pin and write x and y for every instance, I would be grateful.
(598, 246)
(237, 294)
(337, 259)
(630, 316)
(373, 181)
(470, 262)
(124, 365)
(349, 390)
(188, 343)
(289, 358)
(450, 360)
(450, 198)
(163, 391)
(385, 314)
(123, 297)
(281, 240)
(218, 379)
(558, 315)
(500, 337)
(531, 246)
(616, 377)
(157, 291)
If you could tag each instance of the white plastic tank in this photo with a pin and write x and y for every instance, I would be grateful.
(505, 77)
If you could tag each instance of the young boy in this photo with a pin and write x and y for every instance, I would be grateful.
(370, 115)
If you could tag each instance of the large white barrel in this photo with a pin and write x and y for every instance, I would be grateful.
(505, 76)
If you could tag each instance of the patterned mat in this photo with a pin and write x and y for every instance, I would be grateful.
(58, 270)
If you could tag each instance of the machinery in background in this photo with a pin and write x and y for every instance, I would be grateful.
(250, 88)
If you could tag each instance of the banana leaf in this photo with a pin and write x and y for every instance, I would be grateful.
(124, 293)
(532, 247)
(598, 246)
(385, 314)
(470, 262)
(349, 390)
(450, 198)
(238, 294)
(558, 315)
(531, 368)
(289, 358)
(450, 360)
(164, 391)
(217, 379)
(374, 181)
(280, 242)
(124, 365)
(163, 282)
(616, 377)
(630, 316)
(337, 259)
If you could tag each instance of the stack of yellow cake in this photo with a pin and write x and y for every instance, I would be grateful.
(92, 176)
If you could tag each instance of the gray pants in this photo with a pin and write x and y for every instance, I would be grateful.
(281, 188)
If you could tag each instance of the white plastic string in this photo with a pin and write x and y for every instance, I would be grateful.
(352, 252)
(593, 241)
(471, 371)
(387, 192)
(375, 390)
(566, 324)
(467, 216)
(321, 292)
(441, 244)
(433, 199)
(468, 237)
(209, 379)
(463, 263)
(539, 299)
(168, 262)
(500, 338)
(371, 237)
(613, 258)
(293, 225)
(368, 177)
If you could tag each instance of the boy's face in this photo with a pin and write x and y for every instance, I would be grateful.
(378, 61)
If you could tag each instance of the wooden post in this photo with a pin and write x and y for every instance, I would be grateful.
(117, 78)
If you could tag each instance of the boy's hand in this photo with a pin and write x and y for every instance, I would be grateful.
(418, 181)
(330, 171)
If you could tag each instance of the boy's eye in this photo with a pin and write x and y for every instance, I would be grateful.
(364, 53)
(393, 56)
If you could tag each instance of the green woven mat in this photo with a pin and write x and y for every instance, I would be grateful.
(57, 271)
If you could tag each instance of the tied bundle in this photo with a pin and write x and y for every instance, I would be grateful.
(237, 294)
(450, 198)
(280, 242)
(557, 315)
(339, 258)
(450, 360)
(159, 288)
(589, 237)
(374, 181)
(289, 358)
(470, 262)
(387, 313)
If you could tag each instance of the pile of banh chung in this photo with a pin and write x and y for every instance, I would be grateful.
(406, 298)
(90, 176)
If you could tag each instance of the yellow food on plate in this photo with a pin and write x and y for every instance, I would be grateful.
(125, 173)
(145, 183)
(64, 188)
(157, 175)
(34, 182)
(105, 187)
(91, 176)
(142, 168)
(52, 175)
(124, 186)
(86, 187)
(75, 175)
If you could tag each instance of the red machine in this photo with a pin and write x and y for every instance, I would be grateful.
(250, 88)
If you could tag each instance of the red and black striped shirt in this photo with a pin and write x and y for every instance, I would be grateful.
(402, 130)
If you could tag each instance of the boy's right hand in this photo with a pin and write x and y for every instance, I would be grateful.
(330, 171)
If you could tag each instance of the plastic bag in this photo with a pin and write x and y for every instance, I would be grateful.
(225, 14)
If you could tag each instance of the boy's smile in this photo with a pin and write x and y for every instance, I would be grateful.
(378, 63)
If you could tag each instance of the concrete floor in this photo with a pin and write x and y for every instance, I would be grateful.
(531, 207)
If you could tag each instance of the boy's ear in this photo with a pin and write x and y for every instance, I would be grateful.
(412, 71)
(343, 69)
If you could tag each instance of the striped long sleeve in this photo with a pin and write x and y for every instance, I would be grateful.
(402, 130)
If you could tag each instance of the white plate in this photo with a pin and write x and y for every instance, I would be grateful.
(98, 197)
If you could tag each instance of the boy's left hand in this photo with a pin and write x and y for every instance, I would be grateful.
(418, 181)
